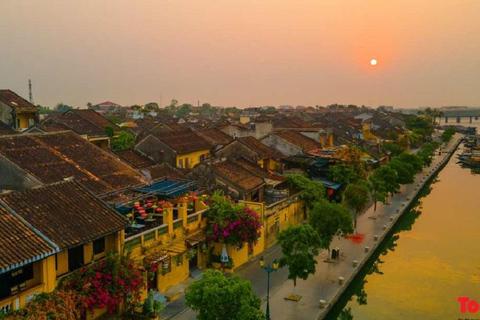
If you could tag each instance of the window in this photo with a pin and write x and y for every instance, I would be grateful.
(18, 123)
(99, 246)
(201, 158)
(186, 163)
(180, 163)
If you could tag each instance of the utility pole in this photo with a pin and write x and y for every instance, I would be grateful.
(30, 90)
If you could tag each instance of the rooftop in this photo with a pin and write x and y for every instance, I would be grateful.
(66, 213)
(53, 157)
(135, 158)
(262, 150)
(215, 137)
(243, 178)
(299, 140)
(184, 141)
(16, 102)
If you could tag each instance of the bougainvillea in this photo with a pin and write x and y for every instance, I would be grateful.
(106, 283)
(232, 223)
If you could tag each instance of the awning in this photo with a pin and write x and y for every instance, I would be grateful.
(328, 184)
(195, 238)
(168, 188)
(157, 256)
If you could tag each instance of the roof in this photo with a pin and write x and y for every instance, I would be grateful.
(243, 178)
(66, 213)
(135, 158)
(299, 140)
(107, 104)
(259, 171)
(262, 150)
(183, 141)
(19, 244)
(84, 122)
(6, 129)
(167, 188)
(16, 102)
(165, 171)
(215, 137)
(53, 157)
(289, 122)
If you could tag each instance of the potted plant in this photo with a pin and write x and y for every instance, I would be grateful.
(151, 308)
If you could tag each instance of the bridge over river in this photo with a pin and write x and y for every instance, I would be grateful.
(457, 115)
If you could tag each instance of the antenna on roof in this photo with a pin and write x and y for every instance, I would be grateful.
(30, 90)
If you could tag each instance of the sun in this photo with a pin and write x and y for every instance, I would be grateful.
(373, 62)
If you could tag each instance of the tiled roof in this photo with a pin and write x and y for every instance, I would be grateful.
(165, 171)
(16, 102)
(66, 213)
(184, 141)
(18, 243)
(259, 171)
(215, 137)
(262, 150)
(298, 139)
(6, 129)
(84, 122)
(135, 158)
(238, 175)
(289, 122)
(53, 157)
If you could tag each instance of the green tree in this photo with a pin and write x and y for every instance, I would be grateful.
(216, 297)
(124, 141)
(405, 171)
(300, 245)
(447, 134)
(184, 110)
(312, 191)
(344, 173)
(389, 178)
(172, 107)
(62, 107)
(330, 220)
(395, 149)
(355, 197)
(44, 110)
(413, 160)
(113, 119)
(377, 188)
(151, 106)
(207, 109)
(109, 131)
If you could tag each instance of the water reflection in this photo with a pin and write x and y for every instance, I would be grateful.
(356, 291)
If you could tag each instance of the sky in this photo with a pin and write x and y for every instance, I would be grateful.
(243, 52)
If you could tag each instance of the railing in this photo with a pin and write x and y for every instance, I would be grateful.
(140, 238)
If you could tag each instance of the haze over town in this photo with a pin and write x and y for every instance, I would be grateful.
(243, 53)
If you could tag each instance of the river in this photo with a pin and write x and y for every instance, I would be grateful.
(431, 257)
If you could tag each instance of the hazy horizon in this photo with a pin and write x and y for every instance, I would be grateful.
(243, 53)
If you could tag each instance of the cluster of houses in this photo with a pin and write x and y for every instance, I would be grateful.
(67, 198)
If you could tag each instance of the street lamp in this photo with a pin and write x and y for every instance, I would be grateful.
(269, 269)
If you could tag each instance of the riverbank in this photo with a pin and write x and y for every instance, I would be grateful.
(324, 284)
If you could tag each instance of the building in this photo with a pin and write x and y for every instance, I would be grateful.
(181, 149)
(47, 232)
(17, 112)
(290, 142)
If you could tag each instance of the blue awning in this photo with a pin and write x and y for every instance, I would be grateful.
(168, 188)
(328, 184)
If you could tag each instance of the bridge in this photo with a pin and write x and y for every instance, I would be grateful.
(471, 113)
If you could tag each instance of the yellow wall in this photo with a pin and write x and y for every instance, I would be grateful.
(23, 117)
(174, 277)
(367, 134)
(193, 158)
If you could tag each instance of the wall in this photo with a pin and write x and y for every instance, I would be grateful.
(13, 177)
(286, 148)
(193, 158)
(236, 149)
(6, 114)
(157, 150)
(24, 120)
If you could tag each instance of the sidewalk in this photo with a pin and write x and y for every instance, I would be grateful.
(324, 284)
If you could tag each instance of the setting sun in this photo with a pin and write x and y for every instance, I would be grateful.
(373, 62)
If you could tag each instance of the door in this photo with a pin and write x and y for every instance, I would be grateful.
(193, 263)
(75, 258)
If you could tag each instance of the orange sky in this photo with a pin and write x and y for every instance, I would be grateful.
(242, 53)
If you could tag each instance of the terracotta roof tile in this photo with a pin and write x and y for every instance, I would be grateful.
(183, 141)
(215, 137)
(238, 175)
(66, 213)
(165, 171)
(259, 171)
(55, 156)
(18, 243)
(261, 149)
(16, 102)
(6, 129)
(135, 158)
(298, 139)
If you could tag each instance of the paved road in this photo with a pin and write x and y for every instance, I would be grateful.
(324, 283)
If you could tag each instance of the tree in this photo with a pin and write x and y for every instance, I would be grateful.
(124, 141)
(395, 150)
(389, 178)
(330, 220)
(352, 168)
(151, 106)
(172, 107)
(300, 245)
(405, 171)
(312, 191)
(447, 134)
(184, 110)
(62, 107)
(206, 109)
(113, 119)
(345, 173)
(355, 197)
(413, 160)
(109, 131)
(377, 188)
(217, 297)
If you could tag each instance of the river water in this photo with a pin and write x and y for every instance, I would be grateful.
(430, 259)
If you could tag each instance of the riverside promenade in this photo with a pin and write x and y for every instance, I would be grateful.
(325, 284)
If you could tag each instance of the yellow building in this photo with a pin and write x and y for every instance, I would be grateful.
(46, 233)
(16, 111)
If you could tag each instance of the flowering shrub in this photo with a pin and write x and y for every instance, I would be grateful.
(231, 223)
(106, 283)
